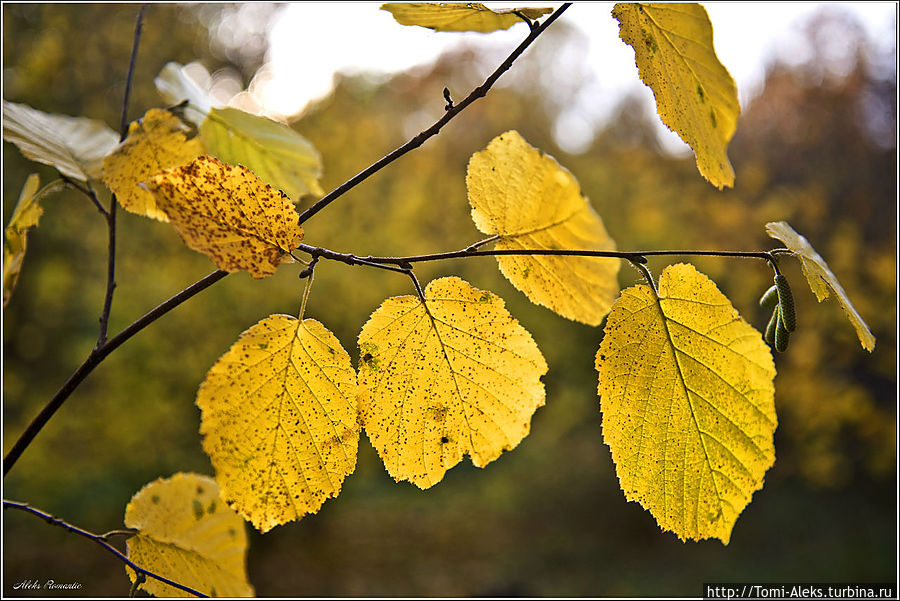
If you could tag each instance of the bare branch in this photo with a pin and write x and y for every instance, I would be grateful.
(100, 540)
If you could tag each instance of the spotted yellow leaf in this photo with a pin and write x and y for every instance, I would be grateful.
(228, 214)
(687, 397)
(25, 216)
(188, 535)
(155, 142)
(695, 95)
(532, 203)
(453, 376)
(280, 156)
(820, 277)
(280, 421)
(459, 16)
(74, 146)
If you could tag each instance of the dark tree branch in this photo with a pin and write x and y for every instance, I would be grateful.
(100, 539)
(95, 358)
(449, 114)
(113, 203)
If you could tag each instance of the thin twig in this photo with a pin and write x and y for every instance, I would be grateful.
(113, 202)
(87, 191)
(449, 114)
(100, 540)
(95, 358)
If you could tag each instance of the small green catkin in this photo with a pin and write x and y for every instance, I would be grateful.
(786, 302)
(770, 329)
(782, 336)
(770, 298)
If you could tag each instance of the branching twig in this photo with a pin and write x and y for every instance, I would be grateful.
(113, 203)
(449, 114)
(100, 540)
(105, 348)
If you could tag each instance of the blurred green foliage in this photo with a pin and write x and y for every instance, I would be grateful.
(547, 518)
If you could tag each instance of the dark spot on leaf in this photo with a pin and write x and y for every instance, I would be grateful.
(198, 509)
(155, 499)
(700, 94)
(444, 440)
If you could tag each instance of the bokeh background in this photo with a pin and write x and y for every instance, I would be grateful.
(816, 147)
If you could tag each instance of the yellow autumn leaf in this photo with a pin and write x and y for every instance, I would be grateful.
(228, 214)
(532, 203)
(188, 535)
(155, 142)
(25, 216)
(453, 376)
(275, 152)
(279, 420)
(820, 277)
(459, 16)
(695, 95)
(688, 406)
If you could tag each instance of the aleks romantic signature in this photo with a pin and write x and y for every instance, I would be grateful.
(46, 585)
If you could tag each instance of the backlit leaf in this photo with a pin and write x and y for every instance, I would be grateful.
(459, 16)
(228, 214)
(175, 85)
(75, 146)
(458, 377)
(531, 202)
(155, 142)
(188, 535)
(687, 396)
(25, 216)
(695, 95)
(280, 422)
(280, 156)
(820, 277)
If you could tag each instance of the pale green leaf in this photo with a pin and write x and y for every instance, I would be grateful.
(820, 277)
(452, 376)
(75, 146)
(532, 203)
(459, 16)
(687, 395)
(188, 535)
(277, 154)
(695, 95)
(280, 421)
(175, 84)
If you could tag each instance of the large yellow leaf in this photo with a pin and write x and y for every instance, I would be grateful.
(820, 277)
(531, 202)
(280, 422)
(75, 146)
(186, 534)
(688, 403)
(460, 376)
(459, 16)
(155, 142)
(25, 216)
(695, 95)
(228, 214)
(280, 156)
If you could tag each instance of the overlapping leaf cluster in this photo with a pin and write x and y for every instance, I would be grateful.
(685, 384)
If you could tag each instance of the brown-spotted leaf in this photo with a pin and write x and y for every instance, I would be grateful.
(155, 142)
(228, 214)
